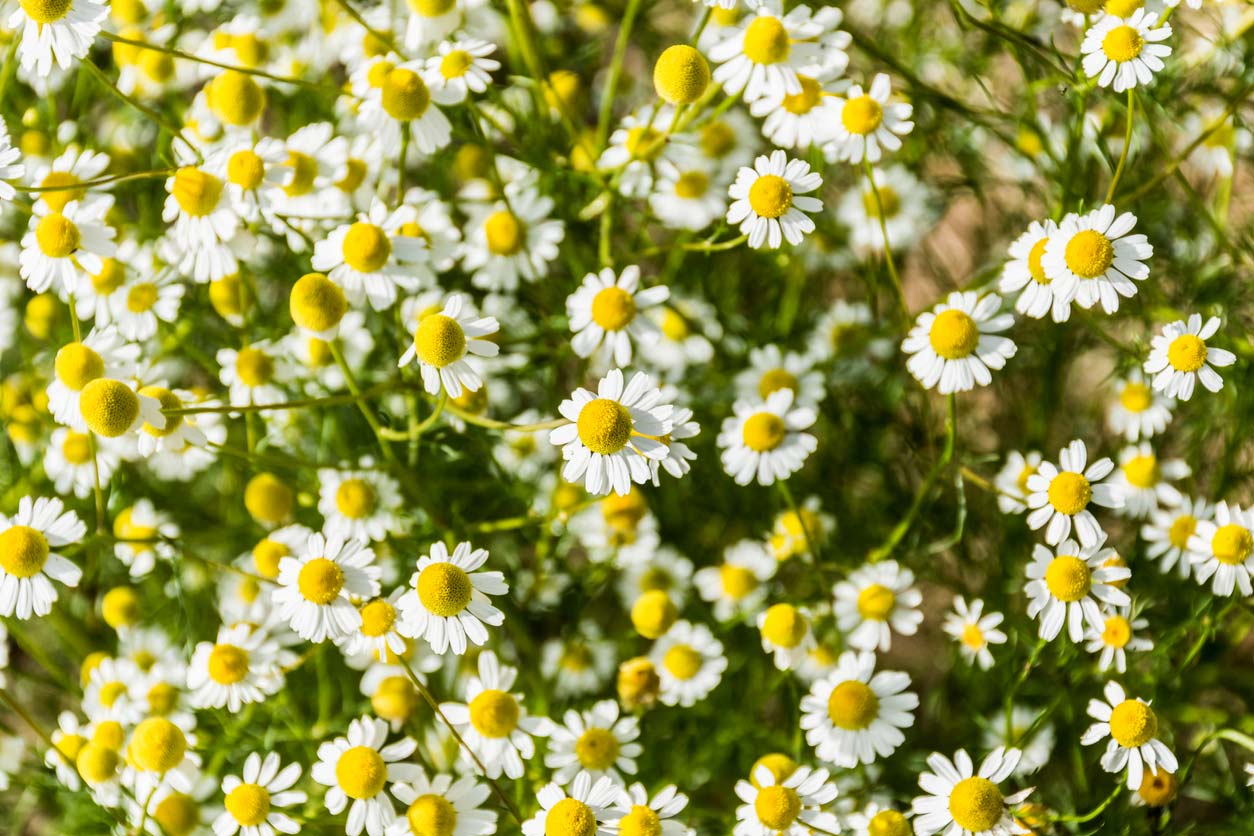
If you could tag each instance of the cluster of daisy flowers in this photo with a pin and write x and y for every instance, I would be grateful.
(360, 365)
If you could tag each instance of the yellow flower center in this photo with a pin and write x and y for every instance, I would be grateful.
(157, 745)
(317, 303)
(254, 367)
(888, 205)
(976, 804)
(737, 581)
(57, 200)
(235, 98)
(110, 693)
(682, 661)
(764, 431)
(168, 400)
(876, 602)
(852, 705)
(596, 749)
(249, 49)
(110, 277)
(640, 821)
(861, 115)
(645, 143)
(366, 247)
(1133, 723)
(266, 557)
(162, 699)
(97, 763)
(888, 823)
(228, 664)
(604, 426)
(432, 8)
(57, 236)
(69, 745)
(613, 308)
(320, 581)
(1123, 43)
(361, 772)
(141, 298)
(405, 95)
(377, 618)
(680, 75)
(1035, 268)
(1069, 493)
(439, 340)
(1117, 632)
(778, 764)
(304, 172)
(444, 589)
(109, 407)
(494, 713)
(973, 636)
(246, 169)
(689, 186)
(1157, 788)
(1122, 8)
(46, 11)
(394, 699)
(1187, 353)
(777, 807)
(784, 626)
(805, 101)
(456, 63)
(1232, 544)
(354, 175)
(775, 379)
(766, 41)
(770, 196)
(1068, 578)
(23, 551)
(355, 498)
(653, 613)
(178, 814)
(1135, 397)
(431, 815)
(248, 804)
(1141, 471)
(570, 817)
(1182, 528)
(717, 140)
(76, 448)
(1089, 254)
(954, 335)
(77, 365)
(196, 192)
(504, 233)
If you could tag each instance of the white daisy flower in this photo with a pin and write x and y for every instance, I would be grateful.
(578, 666)
(1169, 530)
(55, 30)
(687, 197)
(584, 810)
(143, 301)
(799, 120)
(236, 669)
(877, 600)
(960, 800)
(69, 463)
(493, 721)
(1179, 357)
(766, 439)
(28, 562)
(1125, 51)
(447, 602)
(1094, 257)
(459, 68)
(878, 820)
(1025, 272)
(614, 434)
(109, 698)
(68, 740)
(159, 753)
(771, 369)
(766, 50)
(72, 167)
(789, 807)
(737, 586)
(143, 534)
(638, 815)
(443, 806)
(679, 456)
(442, 342)
(1066, 586)
(371, 257)
(786, 635)
(854, 715)
(316, 585)
(1132, 727)
(953, 346)
(1138, 412)
(904, 204)
(605, 310)
(358, 767)
(974, 630)
(642, 146)
(1012, 481)
(508, 242)
(770, 202)
(10, 168)
(59, 244)
(1061, 494)
(253, 374)
(426, 217)
(361, 504)
(254, 799)
(862, 124)
(1224, 548)
(1116, 638)
(1144, 480)
(689, 662)
(379, 637)
(204, 224)
(597, 742)
(402, 98)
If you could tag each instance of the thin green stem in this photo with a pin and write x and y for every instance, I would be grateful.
(1095, 812)
(156, 118)
(366, 411)
(888, 247)
(615, 72)
(96, 488)
(488, 423)
(300, 403)
(187, 56)
(1127, 144)
(99, 181)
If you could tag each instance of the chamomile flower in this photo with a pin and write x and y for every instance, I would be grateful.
(798, 532)
(443, 806)
(57, 31)
(1138, 412)
(1223, 548)
(597, 742)
(254, 799)
(10, 167)
(960, 800)
(1169, 531)
(686, 197)
(764, 53)
(1025, 273)
(789, 807)
(786, 635)
(878, 820)
(770, 200)
(639, 815)
(766, 439)
(59, 244)
(1132, 727)
(584, 809)
(1117, 636)
(142, 302)
(854, 715)
(1095, 258)
(737, 586)
(253, 374)
(1143, 478)
(800, 120)
(1179, 358)
(447, 603)
(143, 534)
(204, 224)
(357, 768)
(877, 600)
(159, 753)
(459, 68)
(71, 465)
(361, 504)
(903, 204)
(974, 630)
(771, 369)
(1066, 586)
(493, 721)
(1125, 51)
(1060, 495)
(508, 242)
(614, 434)
(605, 313)
(638, 149)
(109, 698)
(1012, 480)
(316, 585)
(28, 562)
(379, 636)
(863, 123)
(402, 98)
(953, 346)
(442, 342)
(689, 662)
(68, 740)
(371, 257)
(239, 667)
(679, 456)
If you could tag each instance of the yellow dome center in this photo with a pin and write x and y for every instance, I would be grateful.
(405, 95)
(1123, 43)
(157, 745)
(778, 764)
(266, 557)
(852, 705)
(1133, 723)
(228, 664)
(1136, 397)
(766, 41)
(1157, 788)
(439, 340)
(773, 380)
(604, 426)
(456, 63)
(682, 661)
(361, 772)
(46, 11)
(196, 192)
(317, 303)
(976, 804)
(597, 749)
(431, 815)
(366, 247)
(504, 233)
(377, 617)
(235, 98)
(76, 448)
(395, 699)
(972, 636)
(167, 400)
(254, 366)
(570, 817)
(640, 821)
(1182, 528)
(613, 308)
(770, 196)
(1141, 471)
(178, 814)
(1117, 632)
(653, 613)
(805, 101)
(246, 169)
(304, 173)
(320, 581)
(689, 186)
(355, 499)
(162, 699)
(97, 763)
(861, 115)
(680, 75)
(876, 602)
(777, 807)
(431, 8)
(109, 407)
(444, 589)
(645, 143)
(120, 607)
(1089, 254)
(57, 200)
(954, 335)
(57, 236)
(1068, 578)
(248, 804)
(23, 551)
(888, 823)
(763, 431)
(784, 626)
(494, 713)
(1035, 268)
(141, 298)
(77, 365)
(737, 581)
(1187, 353)
(1232, 544)
(1069, 493)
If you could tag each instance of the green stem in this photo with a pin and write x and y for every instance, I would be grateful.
(888, 248)
(480, 421)
(362, 405)
(300, 403)
(616, 70)
(99, 181)
(156, 118)
(178, 53)
(1127, 144)
(1095, 812)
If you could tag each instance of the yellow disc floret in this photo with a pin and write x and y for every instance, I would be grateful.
(784, 626)
(976, 804)
(119, 607)
(640, 821)
(97, 763)
(852, 705)
(681, 75)
(196, 192)
(1089, 254)
(766, 41)
(23, 551)
(861, 115)
(613, 308)
(366, 247)
(444, 589)
(405, 95)
(570, 817)
(1232, 544)
(377, 618)
(770, 196)
(1187, 353)
(494, 713)
(320, 581)
(876, 602)
(597, 749)
(604, 426)
(76, 365)
(236, 98)
(248, 804)
(317, 304)
(157, 745)
(268, 499)
(653, 614)
(1133, 723)
(888, 823)
(777, 807)
(503, 233)
(431, 815)
(228, 664)
(763, 431)
(355, 499)
(1123, 43)
(1068, 578)
(954, 334)
(46, 11)
(439, 340)
(1069, 493)
(361, 772)
(57, 236)
(109, 407)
